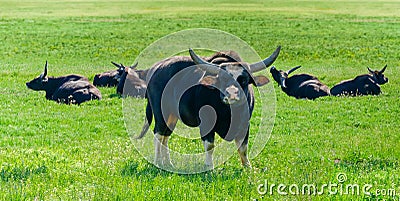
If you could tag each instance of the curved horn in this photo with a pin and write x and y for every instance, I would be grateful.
(44, 74)
(204, 65)
(134, 65)
(293, 69)
(115, 64)
(45, 70)
(261, 65)
(370, 71)
(383, 69)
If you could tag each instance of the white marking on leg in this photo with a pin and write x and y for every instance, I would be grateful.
(157, 149)
(165, 152)
(242, 150)
(209, 148)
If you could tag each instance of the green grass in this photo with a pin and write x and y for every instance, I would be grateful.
(50, 151)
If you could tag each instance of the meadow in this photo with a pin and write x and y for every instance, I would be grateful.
(50, 151)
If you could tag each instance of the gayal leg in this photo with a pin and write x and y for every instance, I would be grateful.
(157, 149)
(209, 148)
(242, 150)
(161, 150)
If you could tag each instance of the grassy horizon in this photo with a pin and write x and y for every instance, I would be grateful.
(79, 8)
(50, 151)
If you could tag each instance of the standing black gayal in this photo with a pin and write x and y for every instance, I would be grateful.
(223, 89)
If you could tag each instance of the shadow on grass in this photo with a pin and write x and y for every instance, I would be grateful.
(20, 173)
(371, 164)
(133, 169)
(115, 96)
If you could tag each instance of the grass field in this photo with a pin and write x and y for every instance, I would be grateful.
(50, 151)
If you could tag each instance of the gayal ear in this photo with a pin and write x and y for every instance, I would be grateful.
(209, 81)
(260, 80)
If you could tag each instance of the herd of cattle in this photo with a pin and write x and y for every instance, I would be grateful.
(223, 78)
(75, 89)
